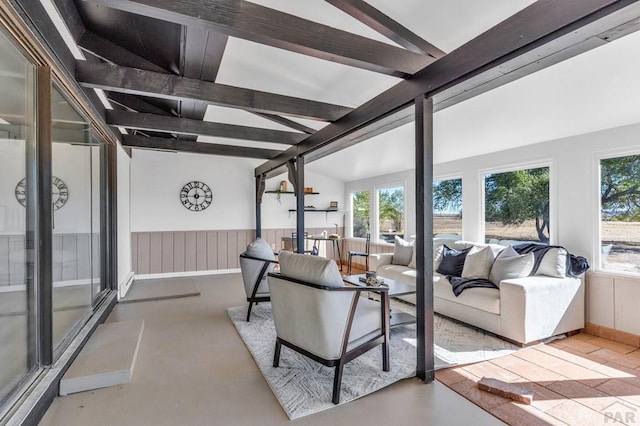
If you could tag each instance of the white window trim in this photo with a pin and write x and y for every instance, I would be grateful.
(452, 177)
(553, 191)
(596, 253)
(375, 227)
(351, 210)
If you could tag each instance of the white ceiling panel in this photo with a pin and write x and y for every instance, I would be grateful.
(269, 69)
(324, 13)
(449, 24)
(218, 114)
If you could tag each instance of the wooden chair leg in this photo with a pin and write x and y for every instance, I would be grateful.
(337, 382)
(276, 354)
(385, 357)
(349, 267)
(249, 311)
(367, 262)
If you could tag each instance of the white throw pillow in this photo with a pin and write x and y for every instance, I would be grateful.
(553, 263)
(478, 263)
(402, 252)
(437, 257)
(507, 252)
(260, 249)
(412, 264)
(505, 268)
(313, 269)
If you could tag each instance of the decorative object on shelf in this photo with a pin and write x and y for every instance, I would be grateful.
(333, 205)
(196, 196)
(59, 192)
(308, 189)
(283, 186)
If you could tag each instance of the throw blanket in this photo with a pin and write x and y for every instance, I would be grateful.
(576, 265)
(459, 284)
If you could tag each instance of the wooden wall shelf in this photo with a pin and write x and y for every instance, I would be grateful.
(289, 192)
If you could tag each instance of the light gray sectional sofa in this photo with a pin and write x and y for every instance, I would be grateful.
(523, 309)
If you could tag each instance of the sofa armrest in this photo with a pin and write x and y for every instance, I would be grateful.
(379, 259)
(534, 308)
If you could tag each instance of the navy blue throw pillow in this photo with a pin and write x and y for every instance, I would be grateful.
(452, 261)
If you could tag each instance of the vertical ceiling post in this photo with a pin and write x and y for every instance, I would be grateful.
(260, 182)
(425, 369)
(299, 188)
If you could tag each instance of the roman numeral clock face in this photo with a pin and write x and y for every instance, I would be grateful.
(196, 196)
(59, 192)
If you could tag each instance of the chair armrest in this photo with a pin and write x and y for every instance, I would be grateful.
(259, 258)
(379, 259)
(347, 288)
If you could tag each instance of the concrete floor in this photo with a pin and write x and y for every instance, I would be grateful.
(193, 369)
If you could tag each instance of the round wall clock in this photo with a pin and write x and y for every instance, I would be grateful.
(59, 192)
(196, 196)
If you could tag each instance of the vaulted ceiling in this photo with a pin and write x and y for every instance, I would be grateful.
(269, 79)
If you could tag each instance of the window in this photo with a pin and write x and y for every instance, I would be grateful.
(447, 207)
(620, 213)
(360, 209)
(390, 213)
(517, 205)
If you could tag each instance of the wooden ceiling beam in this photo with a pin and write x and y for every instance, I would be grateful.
(201, 56)
(136, 103)
(375, 19)
(286, 122)
(185, 126)
(511, 49)
(114, 53)
(169, 144)
(259, 24)
(146, 83)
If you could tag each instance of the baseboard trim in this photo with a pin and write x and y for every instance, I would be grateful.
(612, 334)
(186, 274)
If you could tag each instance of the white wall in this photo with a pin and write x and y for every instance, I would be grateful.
(574, 183)
(71, 163)
(406, 179)
(124, 219)
(12, 170)
(276, 215)
(157, 177)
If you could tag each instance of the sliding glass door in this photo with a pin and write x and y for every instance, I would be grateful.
(76, 203)
(17, 145)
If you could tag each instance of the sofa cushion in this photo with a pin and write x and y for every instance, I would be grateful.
(485, 299)
(313, 269)
(553, 263)
(402, 274)
(505, 268)
(452, 261)
(260, 249)
(478, 263)
(402, 252)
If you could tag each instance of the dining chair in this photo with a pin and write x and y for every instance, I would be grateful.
(364, 254)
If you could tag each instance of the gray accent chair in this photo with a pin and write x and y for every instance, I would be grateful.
(317, 315)
(255, 263)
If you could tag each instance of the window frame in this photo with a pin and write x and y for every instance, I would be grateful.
(375, 231)
(441, 178)
(352, 210)
(596, 253)
(511, 167)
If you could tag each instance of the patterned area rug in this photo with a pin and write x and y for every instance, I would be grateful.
(303, 386)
